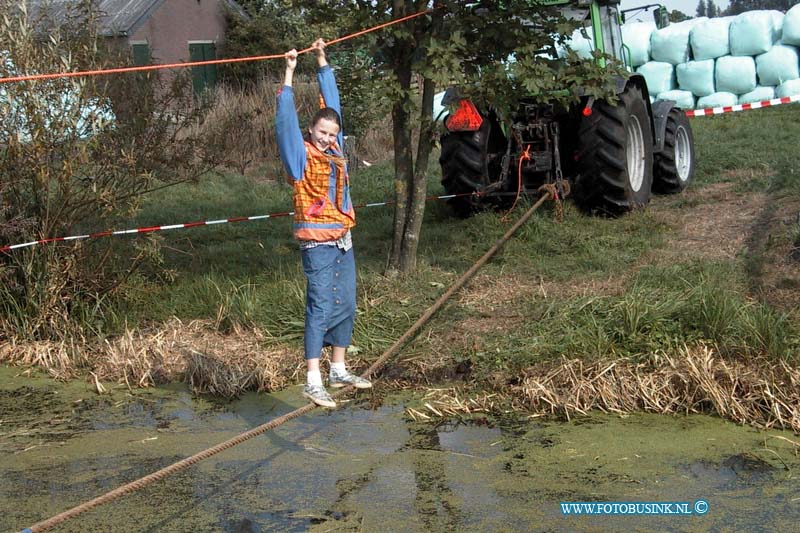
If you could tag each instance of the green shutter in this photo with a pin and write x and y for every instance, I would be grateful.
(203, 77)
(141, 54)
(210, 52)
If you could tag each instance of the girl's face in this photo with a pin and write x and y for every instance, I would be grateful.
(323, 134)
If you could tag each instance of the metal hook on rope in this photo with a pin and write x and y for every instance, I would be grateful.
(557, 191)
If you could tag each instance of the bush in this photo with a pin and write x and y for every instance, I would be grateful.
(65, 167)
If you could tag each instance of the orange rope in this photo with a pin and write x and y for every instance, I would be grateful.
(526, 154)
(143, 68)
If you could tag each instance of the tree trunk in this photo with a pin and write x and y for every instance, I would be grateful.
(410, 177)
(415, 206)
(403, 165)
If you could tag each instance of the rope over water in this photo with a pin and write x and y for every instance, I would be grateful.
(377, 365)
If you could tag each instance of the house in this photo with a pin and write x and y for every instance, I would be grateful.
(163, 31)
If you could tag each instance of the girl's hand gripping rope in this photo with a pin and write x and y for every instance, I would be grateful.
(291, 64)
(318, 47)
(291, 59)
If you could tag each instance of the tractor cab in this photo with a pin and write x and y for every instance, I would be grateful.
(600, 27)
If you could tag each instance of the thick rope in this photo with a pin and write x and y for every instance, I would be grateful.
(377, 365)
(460, 282)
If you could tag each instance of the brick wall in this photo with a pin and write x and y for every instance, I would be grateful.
(169, 30)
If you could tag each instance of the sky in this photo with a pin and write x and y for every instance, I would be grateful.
(687, 6)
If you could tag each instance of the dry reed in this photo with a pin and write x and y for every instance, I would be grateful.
(230, 373)
(59, 359)
(754, 391)
(749, 391)
(210, 361)
(241, 122)
(446, 402)
(240, 125)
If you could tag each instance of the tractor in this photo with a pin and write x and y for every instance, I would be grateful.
(614, 155)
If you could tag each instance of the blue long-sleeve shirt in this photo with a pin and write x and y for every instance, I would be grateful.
(291, 144)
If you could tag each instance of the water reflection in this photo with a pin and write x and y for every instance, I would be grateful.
(369, 467)
(435, 503)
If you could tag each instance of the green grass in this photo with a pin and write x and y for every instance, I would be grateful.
(763, 141)
(249, 274)
(661, 310)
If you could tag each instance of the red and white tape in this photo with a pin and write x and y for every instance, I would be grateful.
(742, 107)
(691, 113)
(151, 229)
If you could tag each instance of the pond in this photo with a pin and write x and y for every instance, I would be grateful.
(368, 466)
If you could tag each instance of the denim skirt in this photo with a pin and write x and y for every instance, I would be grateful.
(330, 297)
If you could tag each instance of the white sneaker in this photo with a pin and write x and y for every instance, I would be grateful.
(318, 395)
(337, 380)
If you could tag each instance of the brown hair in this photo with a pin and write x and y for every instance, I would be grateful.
(327, 113)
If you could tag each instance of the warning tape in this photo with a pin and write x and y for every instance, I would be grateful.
(152, 229)
(742, 107)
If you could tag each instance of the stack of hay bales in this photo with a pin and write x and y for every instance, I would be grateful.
(723, 61)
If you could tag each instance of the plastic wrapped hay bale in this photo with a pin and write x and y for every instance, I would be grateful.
(682, 99)
(788, 88)
(709, 39)
(696, 77)
(778, 65)
(659, 76)
(578, 43)
(439, 109)
(791, 26)
(735, 74)
(757, 95)
(777, 19)
(636, 35)
(754, 32)
(720, 99)
(671, 44)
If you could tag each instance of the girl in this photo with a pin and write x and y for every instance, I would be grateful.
(322, 221)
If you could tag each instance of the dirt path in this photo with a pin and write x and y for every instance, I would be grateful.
(712, 223)
(717, 222)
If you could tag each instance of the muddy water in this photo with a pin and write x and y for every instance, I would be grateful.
(371, 468)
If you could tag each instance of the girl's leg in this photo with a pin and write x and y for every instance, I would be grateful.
(344, 310)
(317, 266)
(338, 354)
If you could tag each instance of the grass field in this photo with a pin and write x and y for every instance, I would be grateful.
(588, 287)
(691, 304)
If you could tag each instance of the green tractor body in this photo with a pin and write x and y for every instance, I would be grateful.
(614, 155)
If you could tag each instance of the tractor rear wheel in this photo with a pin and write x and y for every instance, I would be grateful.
(615, 156)
(464, 167)
(674, 166)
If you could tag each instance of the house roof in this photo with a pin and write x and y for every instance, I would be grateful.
(118, 17)
(121, 17)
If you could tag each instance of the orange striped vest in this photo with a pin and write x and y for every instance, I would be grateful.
(322, 207)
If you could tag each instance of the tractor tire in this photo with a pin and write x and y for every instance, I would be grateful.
(615, 156)
(464, 167)
(674, 165)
